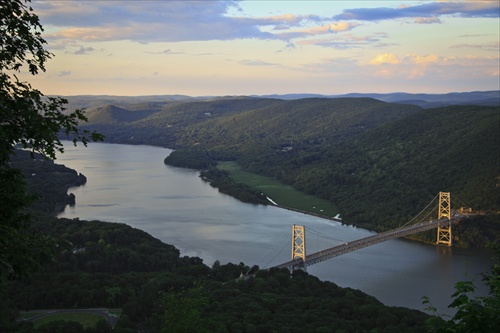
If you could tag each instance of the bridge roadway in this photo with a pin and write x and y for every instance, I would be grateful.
(335, 251)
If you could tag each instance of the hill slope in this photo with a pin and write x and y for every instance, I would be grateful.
(383, 176)
(378, 161)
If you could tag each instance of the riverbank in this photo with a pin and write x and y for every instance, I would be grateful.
(478, 231)
(131, 185)
(283, 195)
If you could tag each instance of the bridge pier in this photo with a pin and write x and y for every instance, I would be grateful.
(444, 211)
(443, 223)
(299, 244)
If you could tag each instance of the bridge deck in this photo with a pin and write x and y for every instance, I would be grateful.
(335, 251)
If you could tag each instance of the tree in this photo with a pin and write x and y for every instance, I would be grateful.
(31, 120)
(474, 314)
(184, 311)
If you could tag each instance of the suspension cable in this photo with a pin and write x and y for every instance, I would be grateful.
(423, 210)
(282, 234)
(289, 242)
(317, 233)
(461, 203)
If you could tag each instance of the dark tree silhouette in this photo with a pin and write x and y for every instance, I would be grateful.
(30, 120)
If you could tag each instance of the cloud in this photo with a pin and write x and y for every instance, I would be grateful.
(393, 59)
(175, 21)
(164, 32)
(122, 13)
(349, 41)
(256, 63)
(280, 22)
(493, 46)
(321, 30)
(339, 66)
(151, 21)
(84, 50)
(490, 9)
(416, 59)
(172, 21)
(168, 51)
(385, 58)
(427, 20)
(64, 73)
(414, 66)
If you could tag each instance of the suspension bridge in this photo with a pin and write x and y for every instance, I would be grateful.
(446, 216)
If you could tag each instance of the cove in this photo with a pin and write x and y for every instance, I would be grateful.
(131, 184)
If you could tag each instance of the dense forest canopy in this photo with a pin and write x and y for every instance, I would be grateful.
(379, 162)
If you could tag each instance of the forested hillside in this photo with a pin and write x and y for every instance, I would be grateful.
(401, 164)
(101, 264)
(113, 265)
(48, 181)
(379, 162)
(310, 122)
(247, 120)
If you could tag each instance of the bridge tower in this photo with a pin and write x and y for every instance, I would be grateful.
(299, 243)
(444, 211)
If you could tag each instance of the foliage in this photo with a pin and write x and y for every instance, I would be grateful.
(72, 326)
(477, 314)
(476, 231)
(183, 312)
(47, 181)
(32, 120)
(28, 117)
(404, 164)
(104, 264)
(114, 265)
(380, 163)
(192, 158)
(221, 180)
(274, 301)
(21, 251)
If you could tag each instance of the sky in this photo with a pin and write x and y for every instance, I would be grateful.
(219, 48)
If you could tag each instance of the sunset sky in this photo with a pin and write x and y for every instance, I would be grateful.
(201, 48)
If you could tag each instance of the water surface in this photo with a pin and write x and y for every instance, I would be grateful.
(131, 184)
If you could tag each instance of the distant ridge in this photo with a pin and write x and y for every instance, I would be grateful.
(388, 155)
(487, 98)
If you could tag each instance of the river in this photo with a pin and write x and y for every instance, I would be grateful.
(131, 184)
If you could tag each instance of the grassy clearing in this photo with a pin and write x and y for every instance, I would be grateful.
(283, 195)
(86, 319)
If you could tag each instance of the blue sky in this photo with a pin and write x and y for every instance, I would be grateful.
(201, 48)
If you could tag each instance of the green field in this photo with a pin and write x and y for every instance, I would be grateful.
(283, 195)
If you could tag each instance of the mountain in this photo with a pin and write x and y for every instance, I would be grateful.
(383, 175)
(489, 98)
(312, 122)
(111, 114)
(376, 160)
(244, 120)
